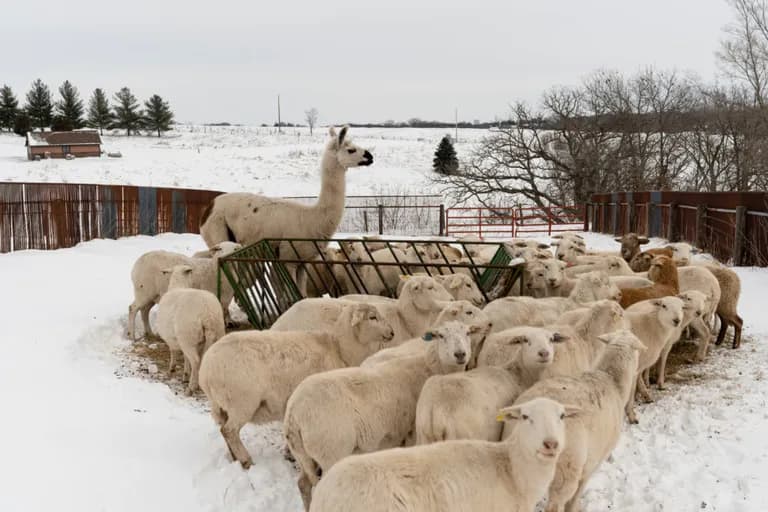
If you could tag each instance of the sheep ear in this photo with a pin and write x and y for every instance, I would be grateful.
(343, 134)
(518, 340)
(542, 256)
(606, 338)
(520, 244)
(578, 250)
(514, 412)
(543, 246)
(358, 315)
(555, 244)
(166, 271)
(454, 282)
(557, 236)
(656, 302)
(571, 410)
(559, 337)
(618, 239)
(474, 329)
(643, 240)
(188, 270)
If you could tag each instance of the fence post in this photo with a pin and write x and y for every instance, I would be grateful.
(365, 220)
(442, 220)
(632, 228)
(586, 216)
(381, 219)
(674, 225)
(549, 220)
(740, 235)
(701, 231)
(480, 222)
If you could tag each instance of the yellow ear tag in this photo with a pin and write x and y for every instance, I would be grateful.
(500, 418)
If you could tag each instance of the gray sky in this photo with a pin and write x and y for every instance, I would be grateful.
(226, 60)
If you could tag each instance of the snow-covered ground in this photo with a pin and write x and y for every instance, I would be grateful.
(243, 158)
(78, 434)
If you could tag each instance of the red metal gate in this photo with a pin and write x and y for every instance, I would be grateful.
(510, 222)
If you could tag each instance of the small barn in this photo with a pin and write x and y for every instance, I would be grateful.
(78, 143)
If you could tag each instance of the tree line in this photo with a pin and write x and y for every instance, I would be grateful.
(69, 112)
(653, 130)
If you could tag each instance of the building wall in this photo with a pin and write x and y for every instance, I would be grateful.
(57, 151)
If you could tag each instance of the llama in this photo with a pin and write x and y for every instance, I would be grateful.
(248, 218)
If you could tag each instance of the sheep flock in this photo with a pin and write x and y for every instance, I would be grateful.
(435, 400)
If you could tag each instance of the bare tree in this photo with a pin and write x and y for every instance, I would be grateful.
(311, 117)
(744, 51)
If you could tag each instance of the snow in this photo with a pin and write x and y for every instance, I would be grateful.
(239, 158)
(90, 427)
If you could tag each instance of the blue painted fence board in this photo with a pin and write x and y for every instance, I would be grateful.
(147, 211)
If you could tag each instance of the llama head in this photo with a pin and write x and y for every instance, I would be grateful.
(347, 154)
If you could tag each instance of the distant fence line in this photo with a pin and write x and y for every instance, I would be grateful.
(732, 226)
(53, 216)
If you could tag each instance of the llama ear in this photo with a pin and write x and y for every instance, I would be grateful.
(343, 134)
(332, 132)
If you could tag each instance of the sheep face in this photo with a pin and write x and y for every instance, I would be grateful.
(568, 251)
(461, 311)
(180, 276)
(372, 330)
(658, 265)
(536, 279)
(452, 343)
(630, 245)
(224, 249)
(554, 272)
(538, 427)
(607, 316)
(463, 287)
(670, 311)
(425, 292)
(536, 345)
(348, 154)
(599, 286)
(694, 304)
(681, 253)
(641, 262)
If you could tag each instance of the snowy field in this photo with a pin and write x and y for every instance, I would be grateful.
(80, 435)
(242, 158)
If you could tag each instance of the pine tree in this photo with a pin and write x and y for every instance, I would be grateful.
(127, 113)
(70, 108)
(39, 106)
(22, 124)
(445, 161)
(99, 115)
(157, 116)
(9, 108)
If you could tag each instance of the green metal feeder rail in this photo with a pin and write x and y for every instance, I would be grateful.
(264, 275)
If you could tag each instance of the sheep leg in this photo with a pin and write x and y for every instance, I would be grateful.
(231, 433)
(647, 377)
(661, 367)
(737, 325)
(630, 407)
(723, 329)
(643, 390)
(145, 320)
(172, 363)
(131, 331)
(574, 505)
(704, 334)
(305, 489)
(192, 360)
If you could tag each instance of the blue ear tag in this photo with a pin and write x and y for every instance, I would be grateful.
(427, 336)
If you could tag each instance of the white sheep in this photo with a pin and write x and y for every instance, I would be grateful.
(694, 307)
(358, 410)
(700, 278)
(454, 476)
(613, 265)
(188, 320)
(460, 286)
(592, 434)
(461, 405)
(654, 321)
(458, 311)
(410, 315)
(513, 311)
(579, 329)
(248, 376)
(681, 253)
(150, 283)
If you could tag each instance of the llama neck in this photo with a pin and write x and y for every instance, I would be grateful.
(330, 202)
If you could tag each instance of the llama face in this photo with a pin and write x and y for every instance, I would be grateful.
(347, 153)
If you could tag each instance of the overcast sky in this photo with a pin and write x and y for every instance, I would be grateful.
(226, 60)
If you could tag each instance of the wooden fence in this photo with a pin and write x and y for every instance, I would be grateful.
(53, 216)
(732, 226)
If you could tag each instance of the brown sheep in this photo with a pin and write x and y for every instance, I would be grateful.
(641, 261)
(630, 245)
(663, 273)
(730, 287)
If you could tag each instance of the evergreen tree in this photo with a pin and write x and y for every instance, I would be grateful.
(9, 108)
(70, 108)
(39, 105)
(22, 124)
(445, 161)
(99, 115)
(157, 116)
(127, 113)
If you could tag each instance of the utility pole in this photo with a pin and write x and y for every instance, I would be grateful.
(456, 120)
(279, 122)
